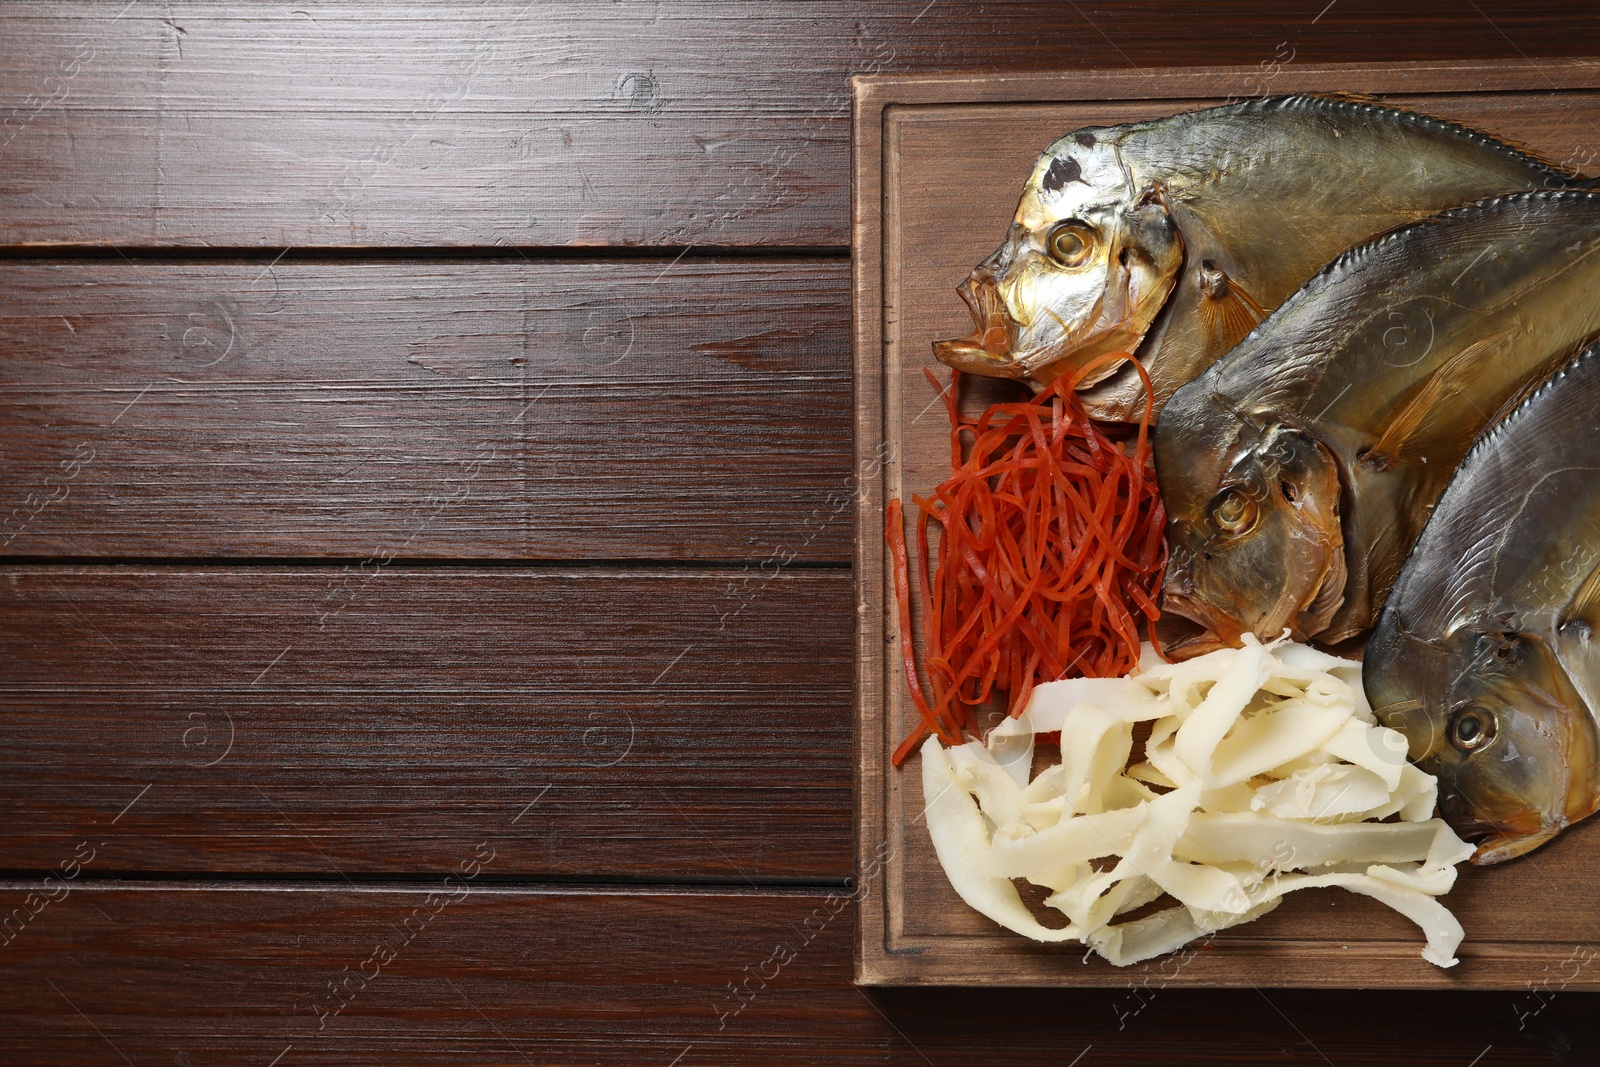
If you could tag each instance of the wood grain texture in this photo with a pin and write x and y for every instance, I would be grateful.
(647, 725)
(496, 975)
(496, 409)
(911, 137)
(355, 124)
(413, 727)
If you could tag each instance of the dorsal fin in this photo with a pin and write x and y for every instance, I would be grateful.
(1453, 126)
(1349, 98)
(1433, 409)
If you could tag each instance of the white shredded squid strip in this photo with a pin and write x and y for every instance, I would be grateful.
(1377, 748)
(1011, 743)
(1263, 772)
(1071, 841)
(979, 774)
(961, 839)
(1271, 737)
(1166, 931)
(1210, 722)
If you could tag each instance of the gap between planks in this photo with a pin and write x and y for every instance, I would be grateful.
(234, 255)
(642, 567)
(278, 882)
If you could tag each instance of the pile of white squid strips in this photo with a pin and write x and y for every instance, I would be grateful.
(1264, 772)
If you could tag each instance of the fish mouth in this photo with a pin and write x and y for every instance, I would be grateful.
(1181, 638)
(1505, 839)
(1190, 627)
(988, 349)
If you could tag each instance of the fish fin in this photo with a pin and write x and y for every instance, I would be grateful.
(1230, 312)
(1585, 603)
(1564, 176)
(1513, 402)
(1433, 408)
(1247, 302)
(1347, 98)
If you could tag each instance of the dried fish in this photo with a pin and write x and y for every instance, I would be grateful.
(1298, 471)
(1172, 239)
(1485, 655)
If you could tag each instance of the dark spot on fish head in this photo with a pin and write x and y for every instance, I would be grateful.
(1063, 171)
(1084, 138)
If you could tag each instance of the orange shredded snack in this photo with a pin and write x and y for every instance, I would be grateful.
(1050, 549)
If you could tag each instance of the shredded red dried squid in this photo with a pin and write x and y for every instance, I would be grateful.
(1050, 551)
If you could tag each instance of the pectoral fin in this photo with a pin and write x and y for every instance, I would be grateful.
(1439, 412)
(1584, 606)
(1228, 310)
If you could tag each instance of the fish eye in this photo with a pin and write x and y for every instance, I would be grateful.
(1233, 511)
(1070, 242)
(1472, 727)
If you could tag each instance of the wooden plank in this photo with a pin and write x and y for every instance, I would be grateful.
(499, 409)
(483, 974)
(339, 124)
(911, 135)
(642, 724)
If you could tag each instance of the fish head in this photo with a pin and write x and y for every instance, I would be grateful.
(1495, 717)
(1254, 539)
(1085, 267)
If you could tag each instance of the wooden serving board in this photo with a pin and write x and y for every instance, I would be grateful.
(939, 165)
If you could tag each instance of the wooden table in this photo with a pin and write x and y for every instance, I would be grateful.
(425, 616)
